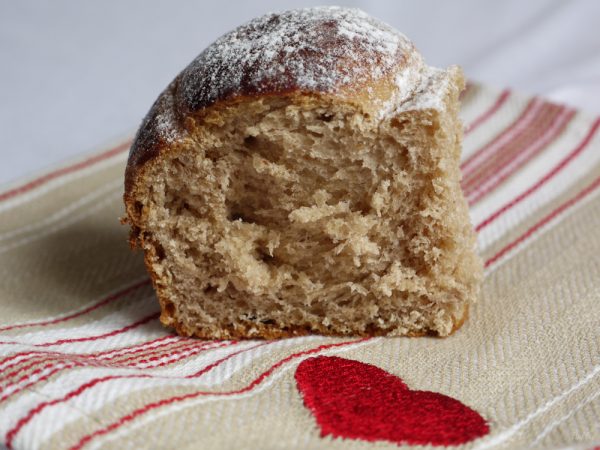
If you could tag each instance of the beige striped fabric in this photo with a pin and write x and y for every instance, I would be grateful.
(85, 364)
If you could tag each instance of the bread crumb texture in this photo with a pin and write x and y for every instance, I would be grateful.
(297, 213)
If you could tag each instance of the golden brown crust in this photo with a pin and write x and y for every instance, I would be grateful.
(266, 331)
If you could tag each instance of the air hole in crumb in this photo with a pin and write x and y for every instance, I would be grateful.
(250, 142)
(265, 257)
(160, 252)
(238, 216)
(139, 206)
(326, 117)
(212, 154)
(193, 253)
(209, 290)
(268, 322)
(261, 146)
(363, 206)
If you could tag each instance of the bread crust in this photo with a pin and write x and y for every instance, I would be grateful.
(252, 330)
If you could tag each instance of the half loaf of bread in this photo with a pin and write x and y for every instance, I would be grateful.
(301, 175)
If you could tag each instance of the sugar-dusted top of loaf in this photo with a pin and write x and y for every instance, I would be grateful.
(323, 49)
(334, 51)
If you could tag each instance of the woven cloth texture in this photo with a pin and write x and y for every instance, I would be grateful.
(85, 363)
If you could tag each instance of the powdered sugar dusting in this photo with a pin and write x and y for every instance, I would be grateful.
(322, 49)
(430, 90)
(166, 124)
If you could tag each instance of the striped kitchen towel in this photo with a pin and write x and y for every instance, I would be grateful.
(85, 363)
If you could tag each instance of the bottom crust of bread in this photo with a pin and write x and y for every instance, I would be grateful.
(251, 330)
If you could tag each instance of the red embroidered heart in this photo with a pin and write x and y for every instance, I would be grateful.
(350, 399)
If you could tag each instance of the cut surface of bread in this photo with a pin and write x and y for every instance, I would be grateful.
(290, 211)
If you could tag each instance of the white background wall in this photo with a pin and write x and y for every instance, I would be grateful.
(74, 74)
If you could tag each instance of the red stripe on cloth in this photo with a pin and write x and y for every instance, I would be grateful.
(545, 179)
(91, 308)
(535, 130)
(548, 218)
(180, 351)
(143, 321)
(31, 355)
(58, 368)
(12, 433)
(88, 338)
(504, 95)
(120, 350)
(225, 358)
(525, 117)
(39, 380)
(152, 354)
(170, 400)
(185, 352)
(26, 377)
(140, 322)
(49, 362)
(140, 346)
(64, 171)
(520, 159)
